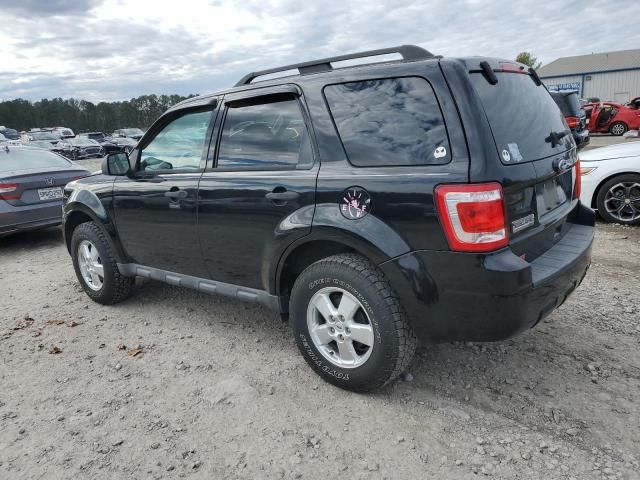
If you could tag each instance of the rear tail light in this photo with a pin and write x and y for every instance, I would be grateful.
(473, 216)
(573, 122)
(577, 189)
(7, 191)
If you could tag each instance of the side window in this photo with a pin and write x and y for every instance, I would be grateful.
(389, 122)
(179, 145)
(270, 135)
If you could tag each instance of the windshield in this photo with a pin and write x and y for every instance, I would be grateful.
(569, 103)
(44, 136)
(27, 159)
(522, 116)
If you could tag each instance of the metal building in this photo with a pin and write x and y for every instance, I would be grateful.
(612, 76)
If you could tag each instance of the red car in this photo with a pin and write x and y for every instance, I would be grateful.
(611, 117)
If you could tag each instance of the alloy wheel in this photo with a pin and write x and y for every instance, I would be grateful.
(340, 328)
(90, 265)
(617, 129)
(622, 201)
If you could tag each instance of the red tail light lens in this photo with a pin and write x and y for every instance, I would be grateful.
(577, 188)
(7, 191)
(573, 122)
(473, 216)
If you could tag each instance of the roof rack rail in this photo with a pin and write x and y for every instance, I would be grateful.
(408, 53)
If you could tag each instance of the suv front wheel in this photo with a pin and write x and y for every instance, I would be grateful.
(349, 325)
(95, 266)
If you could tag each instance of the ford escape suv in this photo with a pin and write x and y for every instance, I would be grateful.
(372, 205)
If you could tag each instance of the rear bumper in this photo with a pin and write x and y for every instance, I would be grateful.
(29, 217)
(471, 297)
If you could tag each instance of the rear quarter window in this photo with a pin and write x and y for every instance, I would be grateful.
(389, 122)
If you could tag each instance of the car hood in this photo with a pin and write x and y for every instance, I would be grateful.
(623, 150)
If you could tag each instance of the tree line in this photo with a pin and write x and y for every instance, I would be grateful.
(83, 115)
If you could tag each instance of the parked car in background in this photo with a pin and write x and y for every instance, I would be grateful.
(125, 144)
(576, 117)
(63, 132)
(42, 135)
(80, 148)
(404, 230)
(7, 141)
(58, 148)
(9, 133)
(134, 133)
(107, 145)
(611, 182)
(611, 117)
(31, 187)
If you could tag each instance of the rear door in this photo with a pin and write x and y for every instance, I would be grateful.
(535, 156)
(259, 195)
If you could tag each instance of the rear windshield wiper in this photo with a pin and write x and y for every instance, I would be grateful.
(555, 137)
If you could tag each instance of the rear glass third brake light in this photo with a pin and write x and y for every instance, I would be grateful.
(473, 216)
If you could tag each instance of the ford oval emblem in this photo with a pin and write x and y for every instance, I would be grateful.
(561, 164)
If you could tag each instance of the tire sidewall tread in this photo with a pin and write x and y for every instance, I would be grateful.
(115, 287)
(602, 192)
(394, 341)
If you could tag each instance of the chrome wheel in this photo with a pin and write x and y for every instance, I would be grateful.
(90, 265)
(618, 129)
(340, 328)
(622, 201)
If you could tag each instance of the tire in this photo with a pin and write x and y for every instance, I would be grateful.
(110, 287)
(379, 319)
(618, 128)
(612, 196)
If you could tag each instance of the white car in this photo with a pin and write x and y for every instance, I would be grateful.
(611, 182)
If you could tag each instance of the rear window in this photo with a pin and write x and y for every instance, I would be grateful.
(14, 159)
(522, 116)
(568, 102)
(389, 122)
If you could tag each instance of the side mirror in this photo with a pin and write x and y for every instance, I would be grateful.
(116, 164)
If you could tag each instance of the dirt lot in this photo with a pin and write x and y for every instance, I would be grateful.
(219, 390)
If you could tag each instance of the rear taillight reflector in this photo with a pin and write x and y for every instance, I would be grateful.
(7, 191)
(573, 122)
(473, 216)
(577, 188)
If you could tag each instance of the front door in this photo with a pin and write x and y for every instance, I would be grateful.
(156, 208)
(259, 196)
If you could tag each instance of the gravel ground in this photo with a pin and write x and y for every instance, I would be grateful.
(218, 389)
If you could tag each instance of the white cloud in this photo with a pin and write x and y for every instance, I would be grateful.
(123, 48)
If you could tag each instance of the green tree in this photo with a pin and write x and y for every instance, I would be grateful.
(528, 59)
(83, 115)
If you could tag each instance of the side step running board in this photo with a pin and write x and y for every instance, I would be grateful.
(246, 294)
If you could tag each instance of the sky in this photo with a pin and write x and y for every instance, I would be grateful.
(103, 50)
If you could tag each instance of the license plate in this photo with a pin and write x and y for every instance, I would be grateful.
(52, 193)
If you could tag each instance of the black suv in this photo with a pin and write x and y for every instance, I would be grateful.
(370, 205)
(574, 115)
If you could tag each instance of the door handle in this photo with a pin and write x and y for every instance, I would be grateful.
(176, 194)
(282, 196)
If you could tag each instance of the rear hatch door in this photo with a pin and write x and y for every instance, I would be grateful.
(535, 154)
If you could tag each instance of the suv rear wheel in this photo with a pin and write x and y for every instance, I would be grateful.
(96, 267)
(349, 325)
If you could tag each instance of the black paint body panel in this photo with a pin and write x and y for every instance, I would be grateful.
(225, 231)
